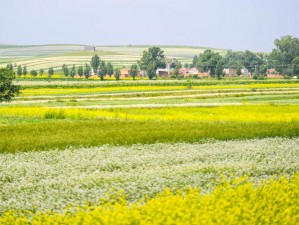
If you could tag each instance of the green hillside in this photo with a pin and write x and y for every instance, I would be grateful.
(45, 56)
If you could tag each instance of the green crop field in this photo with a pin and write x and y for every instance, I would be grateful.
(148, 152)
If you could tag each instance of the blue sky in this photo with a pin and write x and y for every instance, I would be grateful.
(230, 24)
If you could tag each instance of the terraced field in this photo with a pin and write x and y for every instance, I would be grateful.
(45, 56)
(221, 152)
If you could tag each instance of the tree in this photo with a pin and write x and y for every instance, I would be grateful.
(41, 72)
(110, 70)
(50, 72)
(219, 69)
(151, 60)
(103, 69)
(73, 72)
(95, 62)
(195, 61)
(207, 61)
(33, 73)
(287, 49)
(65, 70)
(117, 73)
(19, 71)
(295, 66)
(9, 66)
(86, 71)
(7, 89)
(177, 70)
(133, 71)
(25, 71)
(80, 71)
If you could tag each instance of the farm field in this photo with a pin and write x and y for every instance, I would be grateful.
(150, 152)
(45, 56)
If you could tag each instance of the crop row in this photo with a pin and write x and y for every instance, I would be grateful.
(273, 203)
(52, 180)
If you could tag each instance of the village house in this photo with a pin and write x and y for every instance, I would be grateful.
(184, 72)
(230, 72)
(162, 72)
(272, 73)
(125, 72)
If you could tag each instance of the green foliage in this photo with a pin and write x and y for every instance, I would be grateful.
(219, 69)
(19, 71)
(80, 71)
(110, 70)
(133, 71)
(33, 73)
(117, 73)
(295, 65)
(73, 71)
(207, 61)
(95, 62)
(287, 49)
(50, 72)
(151, 60)
(65, 70)
(102, 70)
(9, 66)
(7, 89)
(87, 70)
(25, 70)
(41, 72)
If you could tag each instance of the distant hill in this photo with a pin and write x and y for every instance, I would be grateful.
(45, 56)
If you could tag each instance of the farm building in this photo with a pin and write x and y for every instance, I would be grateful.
(230, 72)
(184, 72)
(124, 72)
(89, 48)
(162, 72)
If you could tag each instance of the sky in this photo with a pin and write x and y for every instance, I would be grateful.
(228, 24)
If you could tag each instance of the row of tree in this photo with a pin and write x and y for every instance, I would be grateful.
(284, 58)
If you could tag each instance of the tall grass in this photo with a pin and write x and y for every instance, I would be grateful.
(63, 133)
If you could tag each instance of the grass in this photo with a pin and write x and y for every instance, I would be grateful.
(63, 133)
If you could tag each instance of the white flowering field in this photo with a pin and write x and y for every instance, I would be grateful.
(51, 180)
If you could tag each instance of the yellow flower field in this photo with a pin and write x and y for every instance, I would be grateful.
(238, 202)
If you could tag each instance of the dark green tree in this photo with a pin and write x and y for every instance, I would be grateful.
(7, 89)
(281, 57)
(86, 71)
(177, 70)
(151, 60)
(133, 71)
(110, 70)
(117, 74)
(25, 71)
(19, 71)
(80, 71)
(295, 66)
(50, 72)
(73, 72)
(41, 72)
(103, 69)
(9, 66)
(195, 61)
(95, 62)
(65, 70)
(219, 69)
(33, 73)
(207, 61)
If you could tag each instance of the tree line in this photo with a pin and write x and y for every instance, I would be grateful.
(284, 58)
